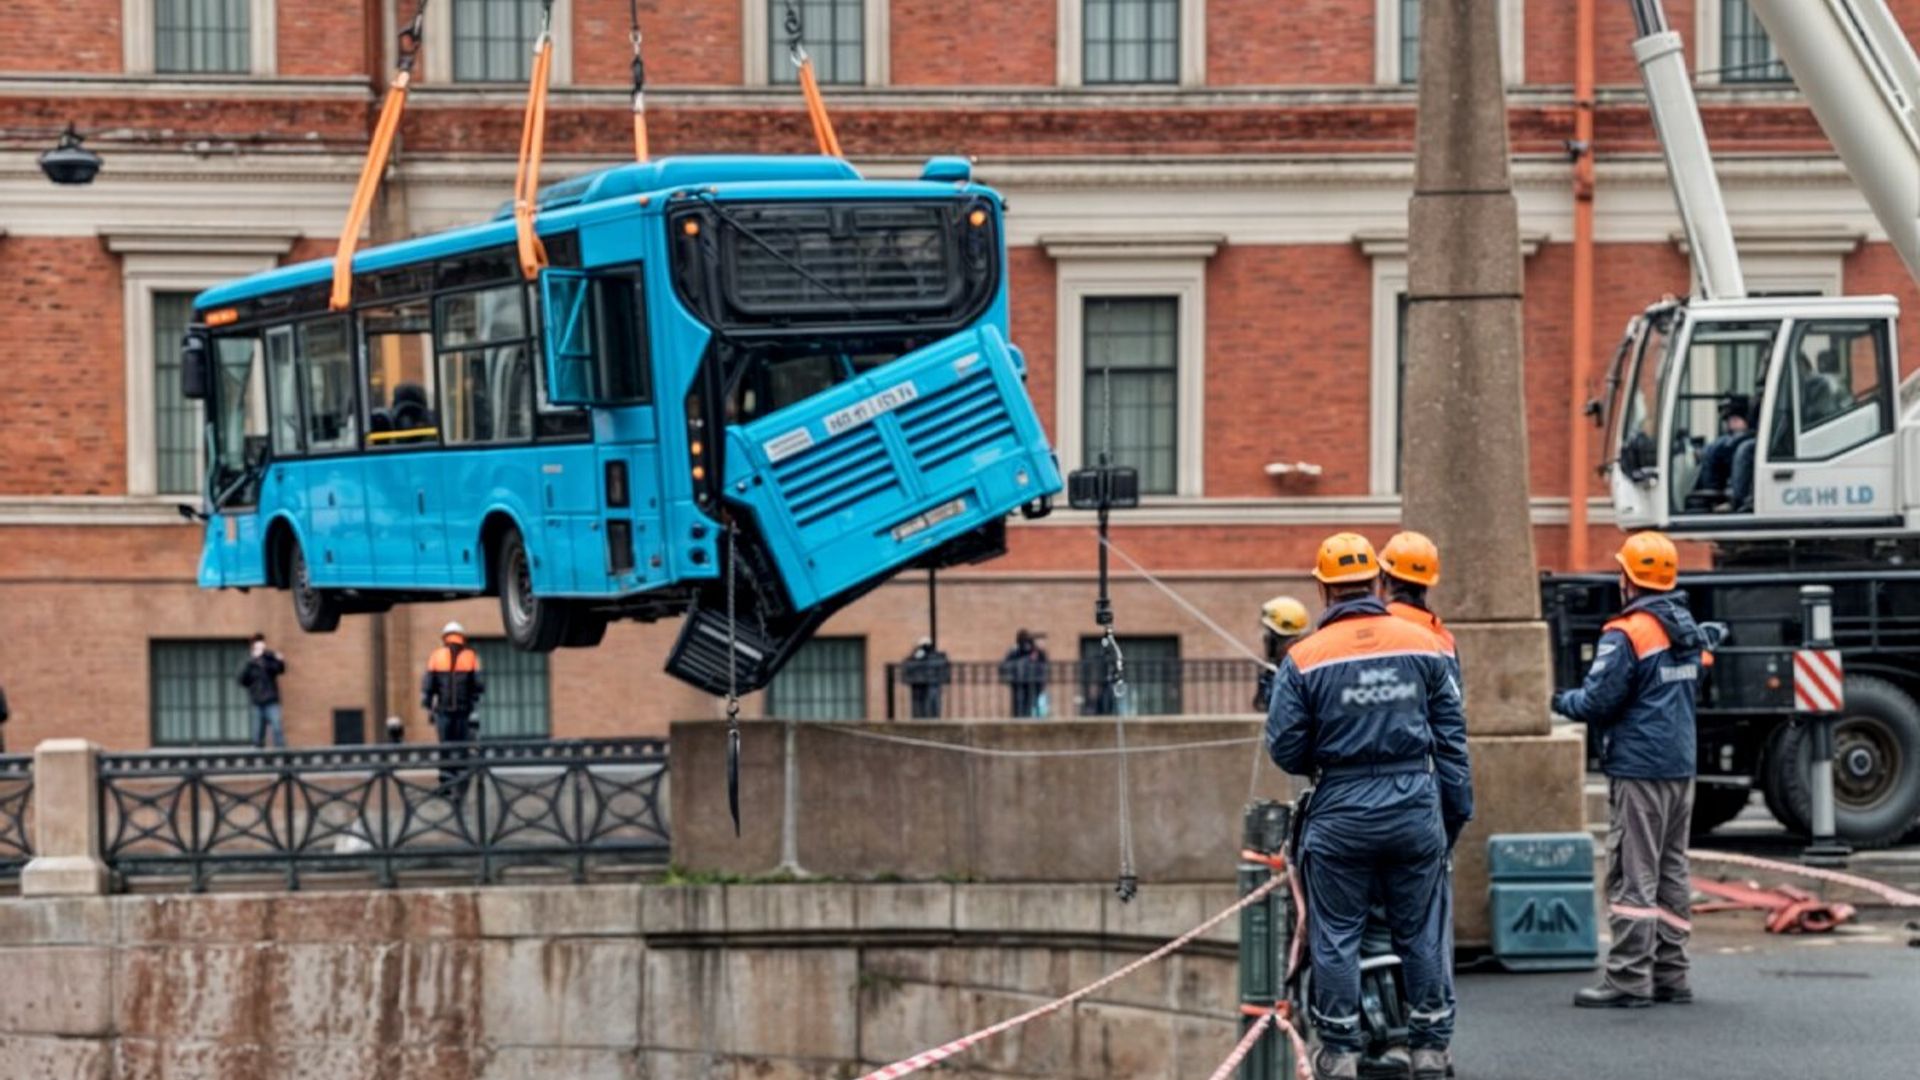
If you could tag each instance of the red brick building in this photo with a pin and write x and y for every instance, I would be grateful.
(1213, 192)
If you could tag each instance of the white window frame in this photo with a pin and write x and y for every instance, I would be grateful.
(1087, 267)
(1707, 59)
(1386, 42)
(137, 52)
(164, 260)
(1789, 261)
(438, 46)
(757, 39)
(1193, 47)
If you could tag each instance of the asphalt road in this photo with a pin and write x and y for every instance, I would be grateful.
(1844, 1006)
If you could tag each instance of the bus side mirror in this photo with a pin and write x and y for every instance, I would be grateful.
(565, 304)
(196, 366)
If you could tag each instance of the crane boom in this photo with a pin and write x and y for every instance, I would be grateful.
(1683, 140)
(1862, 80)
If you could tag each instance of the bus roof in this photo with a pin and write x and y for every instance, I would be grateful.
(751, 172)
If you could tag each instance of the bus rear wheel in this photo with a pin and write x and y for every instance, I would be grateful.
(317, 610)
(533, 623)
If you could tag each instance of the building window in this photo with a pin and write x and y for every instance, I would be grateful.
(825, 680)
(1131, 386)
(176, 421)
(517, 704)
(197, 699)
(1409, 40)
(1131, 41)
(202, 37)
(1746, 53)
(834, 33)
(493, 39)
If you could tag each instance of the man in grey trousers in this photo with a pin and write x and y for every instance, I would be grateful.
(1639, 694)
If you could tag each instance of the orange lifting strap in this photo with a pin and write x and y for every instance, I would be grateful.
(533, 130)
(376, 164)
(810, 86)
(639, 85)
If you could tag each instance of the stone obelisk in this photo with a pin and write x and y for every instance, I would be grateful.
(1464, 467)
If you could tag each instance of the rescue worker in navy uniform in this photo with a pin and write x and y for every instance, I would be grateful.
(1369, 705)
(451, 689)
(1639, 693)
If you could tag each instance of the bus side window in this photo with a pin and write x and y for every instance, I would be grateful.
(283, 384)
(333, 417)
(486, 360)
(622, 361)
(400, 388)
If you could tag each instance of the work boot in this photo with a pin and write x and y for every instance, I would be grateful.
(1432, 1065)
(1673, 995)
(1333, 1065)
(1394, 1061)
(1608, 996)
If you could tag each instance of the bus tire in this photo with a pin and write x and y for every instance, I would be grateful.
(317, 610)
(1716, 804)
(585, 629)
(533, 623)
(1876, 782)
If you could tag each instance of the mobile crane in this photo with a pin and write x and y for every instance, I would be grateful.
(1776, 429)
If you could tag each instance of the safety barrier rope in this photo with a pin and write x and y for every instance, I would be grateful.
(908, 1066)
(1896, 897)
(993, 752)
(1244, 1046)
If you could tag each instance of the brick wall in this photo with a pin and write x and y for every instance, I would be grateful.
(322, 37)
(63, 425)
(686, 44)
(51, 36)
(1010, 43)
(1308, 42)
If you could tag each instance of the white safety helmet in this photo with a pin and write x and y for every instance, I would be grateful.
(453, 628)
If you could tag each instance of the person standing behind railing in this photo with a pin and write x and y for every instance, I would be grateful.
(451, 689)
(261, 677)
(1024, 670)
(926, 673)
(3, 719)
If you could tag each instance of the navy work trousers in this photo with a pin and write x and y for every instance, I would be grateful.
(1367, 838)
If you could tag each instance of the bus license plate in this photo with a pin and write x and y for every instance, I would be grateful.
(861, 412)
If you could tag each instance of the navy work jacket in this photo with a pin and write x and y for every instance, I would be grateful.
(1371, 693)
(1640, 692)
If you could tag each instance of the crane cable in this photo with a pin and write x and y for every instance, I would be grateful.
(810, 86)
(1114, 661)
(533, 131)
(379, 149)
(640, 152)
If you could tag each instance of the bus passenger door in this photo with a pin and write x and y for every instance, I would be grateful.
(237, 459)
(339, 546)
(405, 511)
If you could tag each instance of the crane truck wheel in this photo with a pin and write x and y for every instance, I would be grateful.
(1716, 804)
(1770, 778)
(1876, 765)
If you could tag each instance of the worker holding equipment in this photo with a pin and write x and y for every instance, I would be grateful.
(1370, 706)
(1283, 620)
(1639, 694)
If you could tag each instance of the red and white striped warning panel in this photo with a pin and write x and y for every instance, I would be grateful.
(1818, 681)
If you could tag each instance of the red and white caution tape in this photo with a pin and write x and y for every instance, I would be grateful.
(914, 1064)
(1896, 897)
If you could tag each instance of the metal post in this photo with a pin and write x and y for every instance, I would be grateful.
(933, 607)
(1816, 611)
(1263, 939)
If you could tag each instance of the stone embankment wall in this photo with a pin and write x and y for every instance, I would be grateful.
(766, 981)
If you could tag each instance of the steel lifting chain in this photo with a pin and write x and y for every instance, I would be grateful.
(410, 38)
(733, 685)
(796, 47)
(640, 148)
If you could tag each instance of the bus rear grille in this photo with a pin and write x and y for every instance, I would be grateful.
(959, 421)
(836, 475)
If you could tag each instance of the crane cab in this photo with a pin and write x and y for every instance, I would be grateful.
(1763, 417)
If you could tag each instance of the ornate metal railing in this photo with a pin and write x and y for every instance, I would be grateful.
(16, 802)
(468, 808)
(1067, 689)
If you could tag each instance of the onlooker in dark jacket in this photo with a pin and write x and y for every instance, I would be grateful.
(926, 672)
(1025, 670)
(3, 719)
(261, 677)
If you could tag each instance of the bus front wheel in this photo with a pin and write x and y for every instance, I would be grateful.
(533, 623)
(316, 609)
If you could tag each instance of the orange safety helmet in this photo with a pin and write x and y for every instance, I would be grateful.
(1650, 561)
(1412, 557)
(1346, 557)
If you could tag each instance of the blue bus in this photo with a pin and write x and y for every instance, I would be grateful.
(767, 373)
